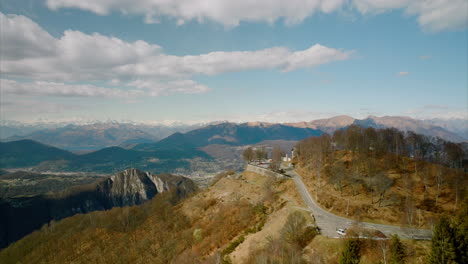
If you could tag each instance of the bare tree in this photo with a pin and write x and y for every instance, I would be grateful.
(276, 156)
(260, 153)
(248, 154)
(383, 246)
(371, 172)
(439, 182)
(338, 176)
(409, 208)
(382, 183)
(458, 176)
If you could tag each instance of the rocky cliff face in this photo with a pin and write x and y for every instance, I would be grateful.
(20, 216)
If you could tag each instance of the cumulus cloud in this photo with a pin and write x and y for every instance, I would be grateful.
(21, 38)
(220, 62)
(227, 12)
(433, 15)
(79, 57)
(61, 89)
(439, 15)
(25, 109)
(137, 88)
(154, 88)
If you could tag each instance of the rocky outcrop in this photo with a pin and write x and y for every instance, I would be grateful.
(21, 216)
(132, 187)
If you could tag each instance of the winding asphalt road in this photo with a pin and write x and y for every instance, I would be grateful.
(329, 223)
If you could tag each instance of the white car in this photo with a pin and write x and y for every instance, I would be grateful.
(341, 231)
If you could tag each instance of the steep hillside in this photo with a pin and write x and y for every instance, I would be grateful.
(24, 153)
(384, 176)
(241, 218)
(21, 215)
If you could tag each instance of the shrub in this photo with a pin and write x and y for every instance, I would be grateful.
(397, 251)
(351, 253)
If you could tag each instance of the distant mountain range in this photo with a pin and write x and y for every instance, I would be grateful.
(455, 130)
(21, 215)
(410, 124)
(185, 152)
(92, 136)
(174, 152)
(328, 125)
(88, 137)
(29, 153)
(232, 134)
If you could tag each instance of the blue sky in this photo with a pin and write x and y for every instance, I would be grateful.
(199, 61)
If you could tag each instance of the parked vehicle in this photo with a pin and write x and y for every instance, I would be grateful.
(341, 231)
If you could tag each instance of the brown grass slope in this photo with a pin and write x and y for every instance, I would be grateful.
(245, 218)
(389, 189)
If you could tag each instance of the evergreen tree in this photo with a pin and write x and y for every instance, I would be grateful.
(461, 233)
(351, 254)
(397, 251)
(443, 248)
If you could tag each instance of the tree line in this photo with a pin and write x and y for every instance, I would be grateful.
(382, 141)
(258, 154)
(251, 154)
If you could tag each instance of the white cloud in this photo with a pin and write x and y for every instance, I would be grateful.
(403, 73)
(314, 56)
(153, 88)
(62, 89)
(21, 37)
(79, 57)
(227, 12)
(432, 15)
(137, 88)
(439, 15)
(220, 62)
(26, 108)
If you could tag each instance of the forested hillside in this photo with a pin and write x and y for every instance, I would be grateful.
(22, 215)
(242, 218)
(384, 175)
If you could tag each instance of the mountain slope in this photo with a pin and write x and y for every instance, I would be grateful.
(99, 135)
(327, 125)
(20, 216)
(241, 218)
(25, 153)
(409, 124)
(451, 130)
(28, 153)
(456, 125)
(231, 134)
